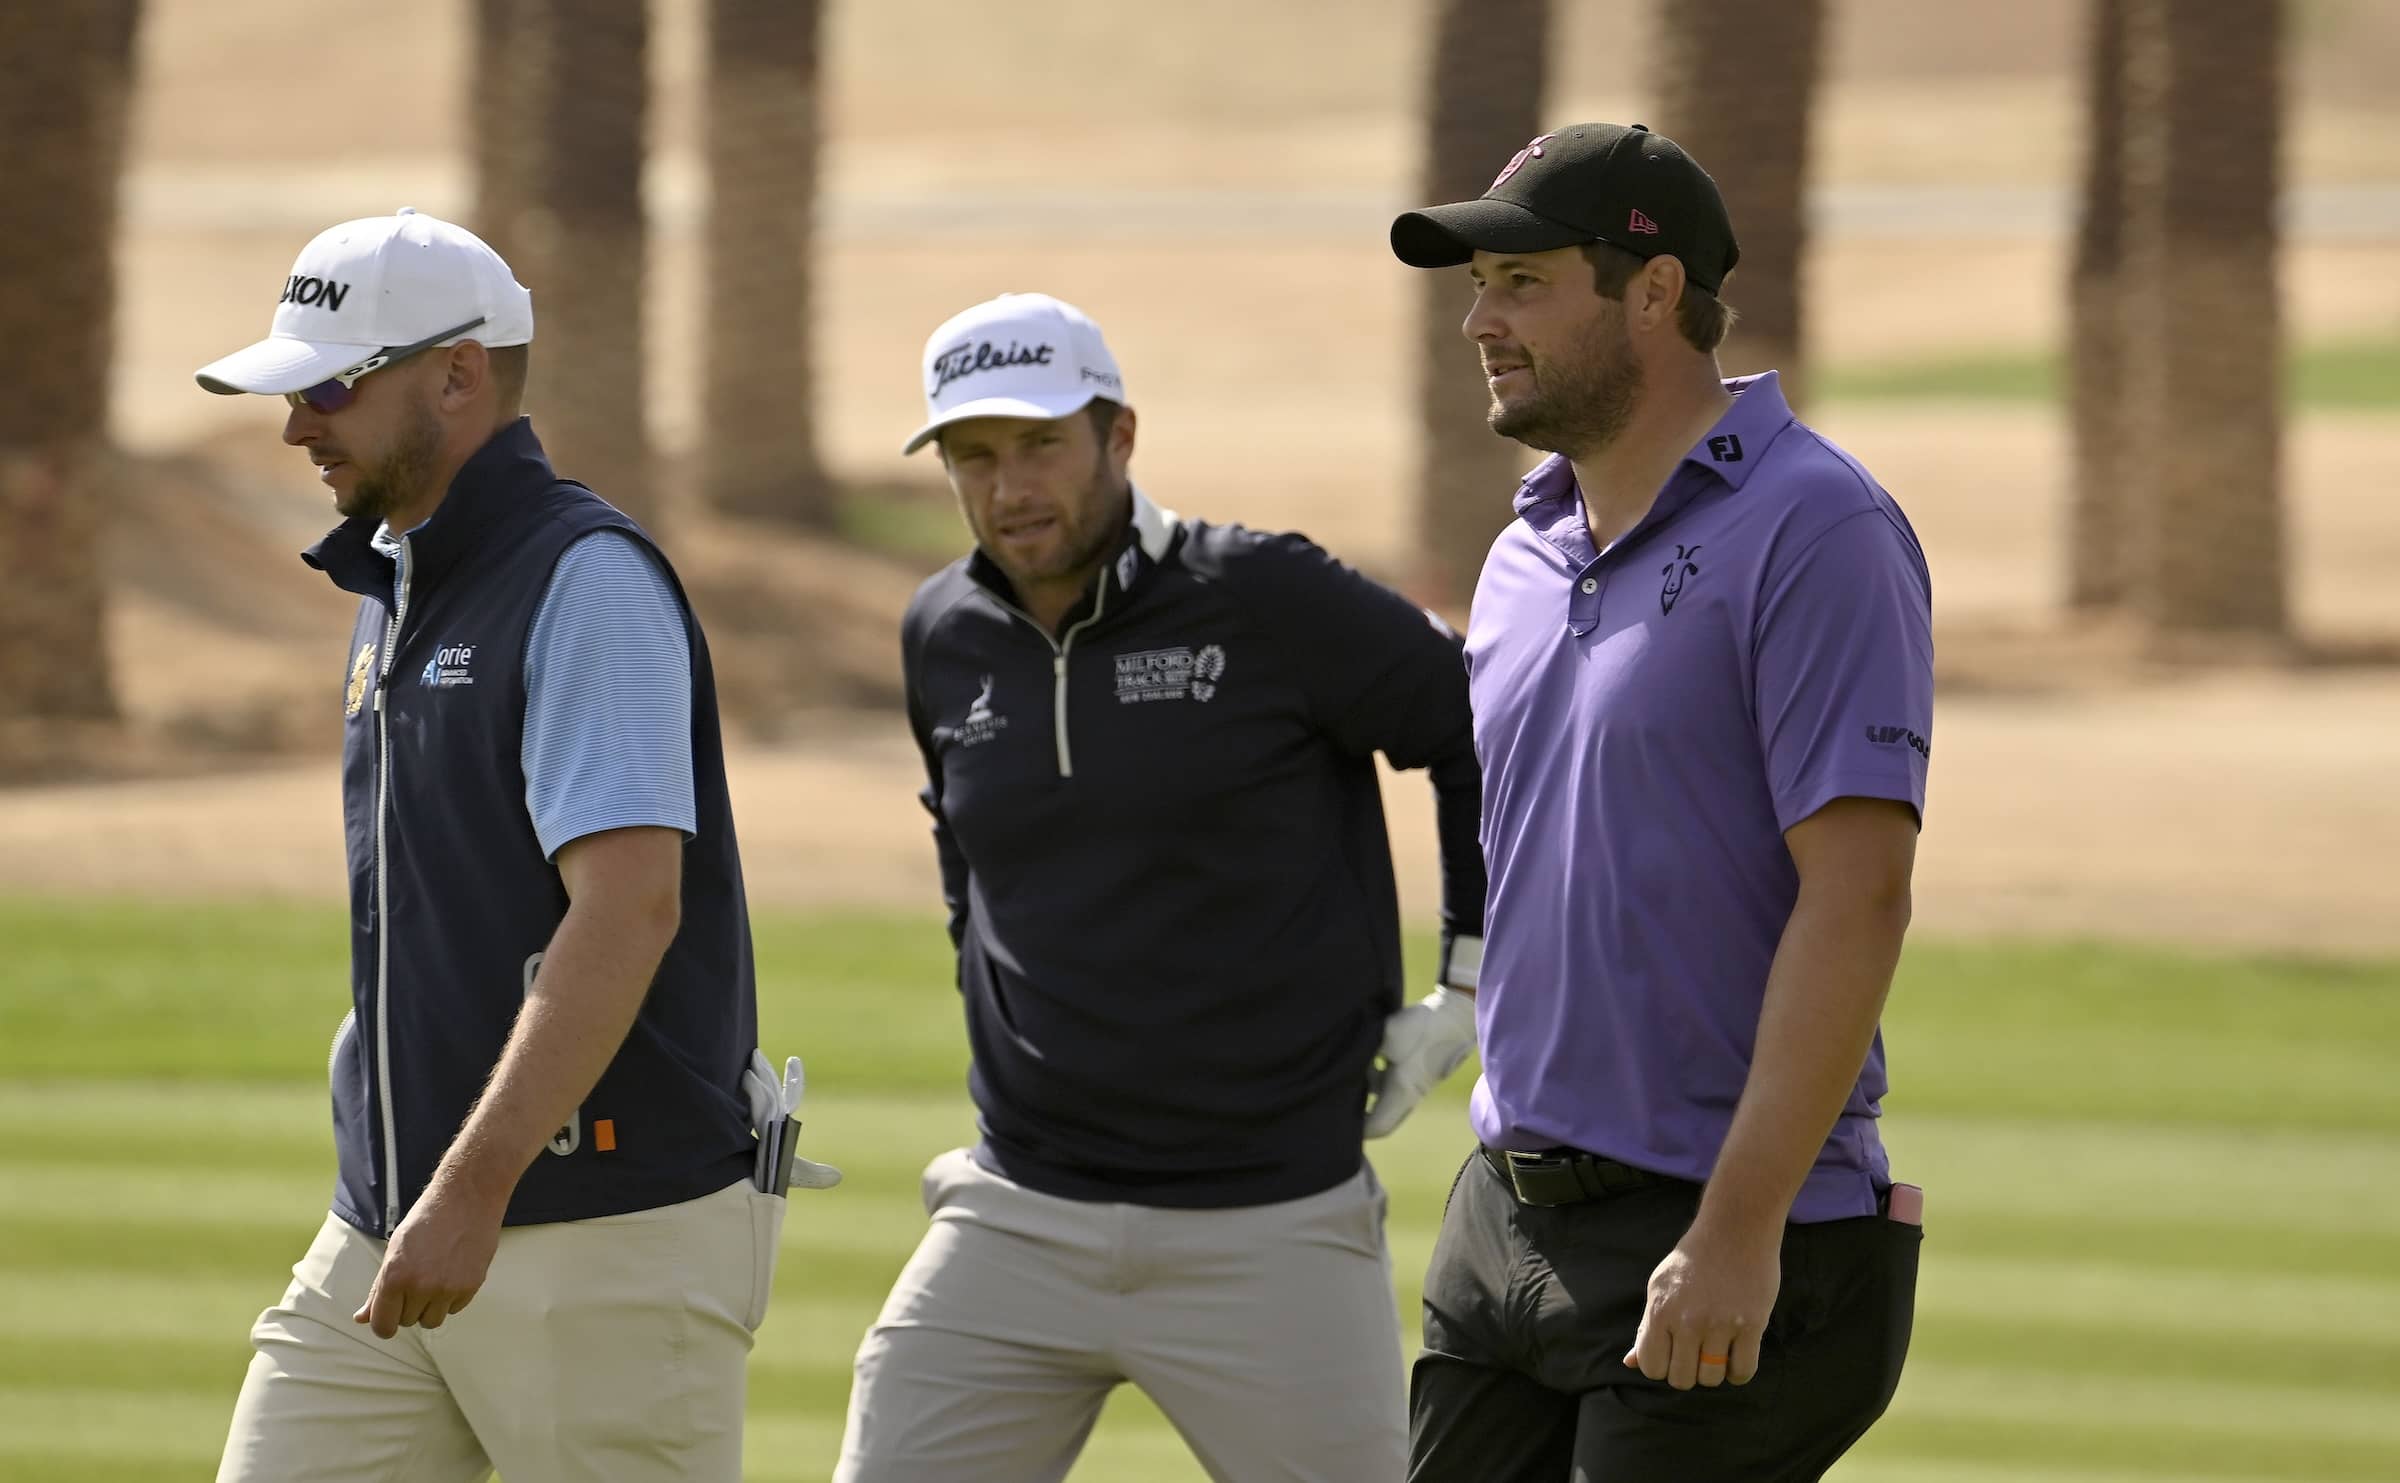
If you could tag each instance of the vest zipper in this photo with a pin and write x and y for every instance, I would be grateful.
(1059, 650)
(383, 916)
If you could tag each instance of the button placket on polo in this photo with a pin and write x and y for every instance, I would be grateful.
(1591, 582)
(1583, 600)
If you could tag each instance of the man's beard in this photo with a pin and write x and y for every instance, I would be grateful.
(403, 473)
(1581, 400)
(1079, 549)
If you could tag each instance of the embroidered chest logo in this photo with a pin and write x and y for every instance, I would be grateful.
(1170, 674)
(982, 723)
(449, 668)
(360, 669)
(1678, 571)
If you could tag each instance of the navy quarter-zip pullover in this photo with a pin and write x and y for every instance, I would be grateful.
(1164, 855)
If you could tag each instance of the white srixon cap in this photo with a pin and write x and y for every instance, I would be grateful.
(1019, 355)
(375, 284)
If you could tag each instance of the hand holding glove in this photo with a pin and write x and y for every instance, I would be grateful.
(1422, 1043)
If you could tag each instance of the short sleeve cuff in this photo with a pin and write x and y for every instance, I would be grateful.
(561, 833)
(1797, 805)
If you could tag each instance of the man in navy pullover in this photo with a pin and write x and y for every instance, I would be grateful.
(1149, 746)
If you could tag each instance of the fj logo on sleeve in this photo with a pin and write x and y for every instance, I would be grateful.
(1677, 572)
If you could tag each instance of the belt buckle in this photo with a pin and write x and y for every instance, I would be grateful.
(1525, 1163)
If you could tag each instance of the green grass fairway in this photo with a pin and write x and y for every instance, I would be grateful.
(2341, 375)
(2163, 1232)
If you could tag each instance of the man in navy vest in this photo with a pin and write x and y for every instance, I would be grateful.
(547, 1252)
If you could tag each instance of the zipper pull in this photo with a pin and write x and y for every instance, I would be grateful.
(1058, 668)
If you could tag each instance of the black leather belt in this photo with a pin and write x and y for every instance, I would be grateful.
(1563, 1176)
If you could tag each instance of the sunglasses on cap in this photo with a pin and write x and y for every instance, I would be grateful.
(342, 389)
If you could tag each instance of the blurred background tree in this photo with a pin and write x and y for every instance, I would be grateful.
(2097, 393)
(2203, 343)
(561, 110)
(499, 121)
(758, 452)
(1737, 84)
(1483, 81)
(63, 115)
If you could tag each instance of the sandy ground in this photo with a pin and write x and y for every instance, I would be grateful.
(2071, 795)
(2252, 812)
(1214, 189)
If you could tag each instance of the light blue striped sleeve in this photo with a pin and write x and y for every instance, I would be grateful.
(608, 697)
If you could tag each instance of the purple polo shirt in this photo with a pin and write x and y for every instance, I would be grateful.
(1651, 720)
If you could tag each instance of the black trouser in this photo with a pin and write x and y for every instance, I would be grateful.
(1530, 1311)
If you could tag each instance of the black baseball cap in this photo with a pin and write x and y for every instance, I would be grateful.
(1585, 183)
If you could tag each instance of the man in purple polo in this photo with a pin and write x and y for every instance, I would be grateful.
(1702, 671)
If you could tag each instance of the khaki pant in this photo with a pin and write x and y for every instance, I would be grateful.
(613, 1348)
(1269, 1335)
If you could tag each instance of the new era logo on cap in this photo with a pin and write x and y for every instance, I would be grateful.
(1642, 224)
(1019, 355)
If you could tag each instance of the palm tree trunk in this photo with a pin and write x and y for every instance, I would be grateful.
(581, 242)
(1483, 100)
(2096, 556)
(1737, 85)
(2204, 115)
(758, 447)
(65, 122)
(499, 102)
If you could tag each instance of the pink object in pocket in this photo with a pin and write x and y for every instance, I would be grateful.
(1907, 1204)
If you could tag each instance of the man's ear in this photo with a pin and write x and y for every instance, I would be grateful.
(1656, 292)
(1120, 436)
(467, 371)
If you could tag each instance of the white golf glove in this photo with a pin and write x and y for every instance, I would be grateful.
(774, 1116)
(1421, 1044)
(809, 1174)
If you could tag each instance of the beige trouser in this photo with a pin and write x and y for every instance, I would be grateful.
(1268, 1334)
(597, 1349)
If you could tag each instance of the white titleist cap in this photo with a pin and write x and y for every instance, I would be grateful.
(1019, 355)
(376, 284)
